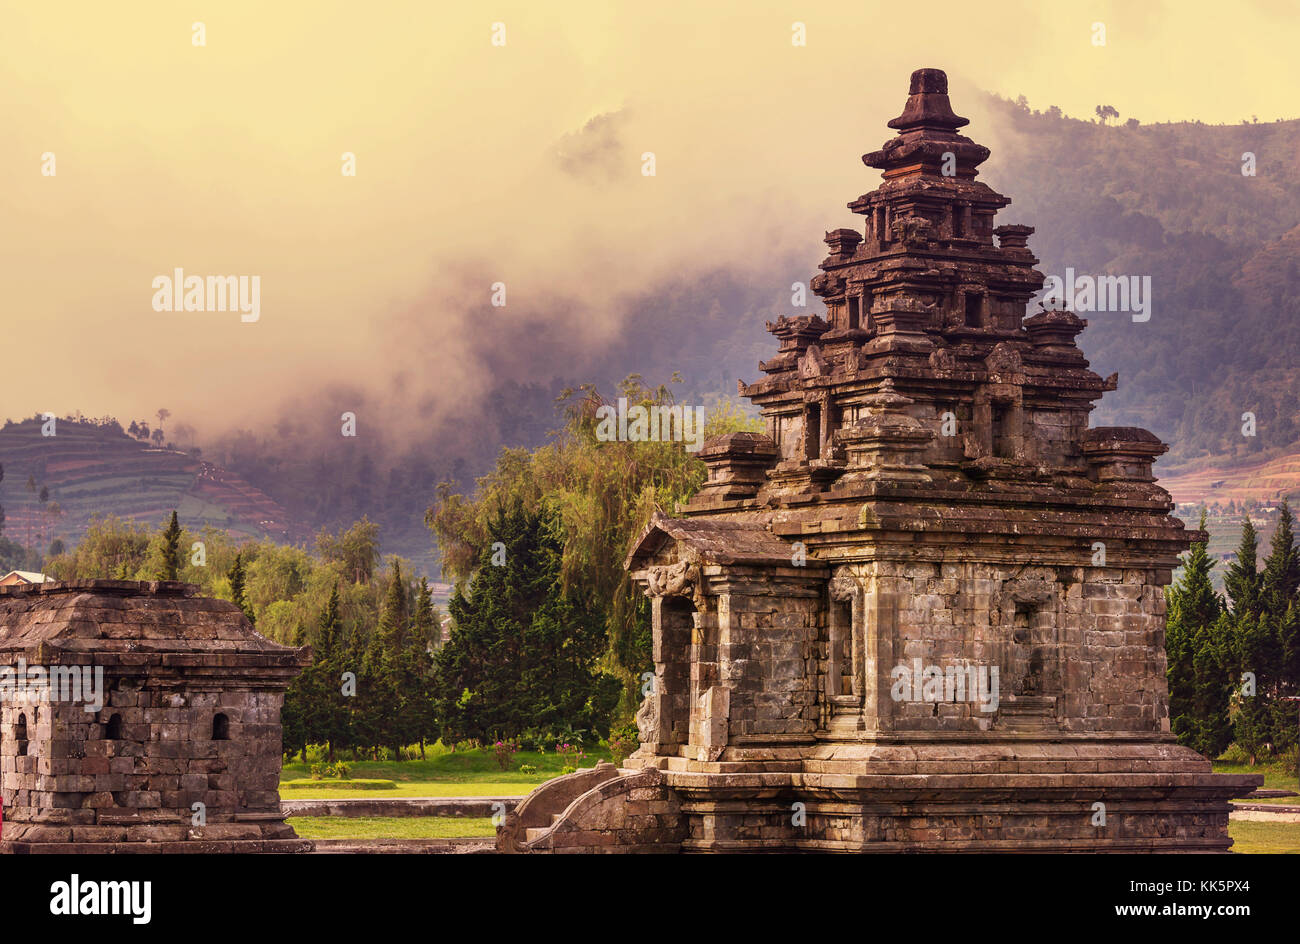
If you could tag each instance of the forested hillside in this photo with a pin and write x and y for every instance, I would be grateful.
(1222, 249)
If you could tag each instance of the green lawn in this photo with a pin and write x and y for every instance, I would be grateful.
(1276, 777)
(391, 827)
(418, 788)
(1250, 837)
(462, 773)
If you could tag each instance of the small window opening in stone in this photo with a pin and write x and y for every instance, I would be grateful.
(973, 307)
(1002, 445)
(220, 728)
(854, 311)
(880, 225)
(113, 730)
(812, 432)
(956, 221)
(20, 735)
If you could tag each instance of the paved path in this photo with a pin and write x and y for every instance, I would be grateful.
(1265, 812)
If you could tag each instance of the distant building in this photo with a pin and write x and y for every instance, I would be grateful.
(21, 578)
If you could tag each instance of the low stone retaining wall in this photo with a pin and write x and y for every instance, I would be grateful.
(401, 806)
(405, 846)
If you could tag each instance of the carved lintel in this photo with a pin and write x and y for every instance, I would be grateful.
(844, 588)
(677, 580)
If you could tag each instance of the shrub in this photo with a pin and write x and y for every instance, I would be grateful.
(568, 770)
(572, 754)
(621, 743)
(1234, 755)
(527, 769)
(504, 752)
(339, 771)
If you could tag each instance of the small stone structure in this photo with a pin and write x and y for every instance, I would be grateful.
(191, 715)
(924, 611)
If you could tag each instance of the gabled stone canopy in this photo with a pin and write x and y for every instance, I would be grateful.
(710, 541)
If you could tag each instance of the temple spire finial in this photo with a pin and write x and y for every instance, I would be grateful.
(927, 105)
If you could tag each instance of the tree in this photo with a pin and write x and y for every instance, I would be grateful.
(237, 576)
(331, 717)
(1281, 577)
(1242, 579)
(383, 673)
(602, 494)
(314, 709)
(1253, 721)
(419, 666)
(1198, 642)
(171, 547)
(357, 549)
(110, 549)
(524, 653)
(1106, 112)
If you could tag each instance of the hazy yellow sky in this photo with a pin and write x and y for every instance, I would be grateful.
(473, 166)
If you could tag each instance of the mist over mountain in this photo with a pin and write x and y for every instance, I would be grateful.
(1168, 201)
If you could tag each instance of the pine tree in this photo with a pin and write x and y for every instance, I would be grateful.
(171, 541)
(417, 681)
(387, 668)
(1242, 579)
(1272, 643)
(1259, 654)
(331, 715)
(237, 577)
(298, 706)
(1281, 577)
(523, 654)
(1199, 650)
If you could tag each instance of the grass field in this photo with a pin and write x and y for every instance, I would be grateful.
(1276, 777)
(391, 827)
(460, 773)
(1257, 838)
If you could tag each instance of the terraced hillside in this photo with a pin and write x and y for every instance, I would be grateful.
(1267, 481)
(94, 468)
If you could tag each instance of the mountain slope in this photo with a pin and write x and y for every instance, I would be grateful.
(93, 468)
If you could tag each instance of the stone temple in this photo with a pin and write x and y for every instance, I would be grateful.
(183, 754)
(924, 612)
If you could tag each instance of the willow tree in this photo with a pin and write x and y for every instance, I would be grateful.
(602, 493)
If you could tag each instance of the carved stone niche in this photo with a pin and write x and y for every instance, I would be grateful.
(1122, 453)
(845, 680)
(737, 464)
(1029, 653)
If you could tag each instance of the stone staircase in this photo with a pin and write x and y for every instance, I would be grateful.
(598, 809)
